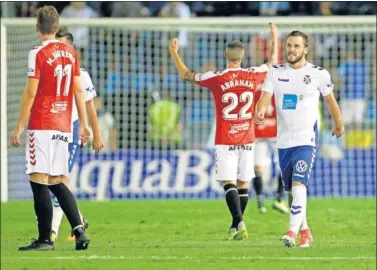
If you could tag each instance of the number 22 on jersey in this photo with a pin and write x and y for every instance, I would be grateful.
(245, 97)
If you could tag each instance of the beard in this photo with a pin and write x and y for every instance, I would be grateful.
(298, 59)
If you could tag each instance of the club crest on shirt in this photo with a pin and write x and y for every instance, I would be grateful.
(307, 79)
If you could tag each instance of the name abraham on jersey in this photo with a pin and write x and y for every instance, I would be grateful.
(60, 137)
(236, 83)
(240, 147)
(59, 54)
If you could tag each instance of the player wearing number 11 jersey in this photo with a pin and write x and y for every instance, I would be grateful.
(233, 91)
(53, 80)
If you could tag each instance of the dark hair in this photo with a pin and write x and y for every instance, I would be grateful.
(64, 33)
(235, 44)
(300, 34)
(48, 20)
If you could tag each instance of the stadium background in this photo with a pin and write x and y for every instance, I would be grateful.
(129, 63)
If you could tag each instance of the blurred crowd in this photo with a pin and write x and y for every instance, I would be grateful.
(135, 63)
(198, 8)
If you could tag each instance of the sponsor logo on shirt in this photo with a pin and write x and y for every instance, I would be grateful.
(283, 80)
(289, 102)
(239, 127)
(59, 106)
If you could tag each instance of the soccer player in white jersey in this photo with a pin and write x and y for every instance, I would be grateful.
(74, 142)
(233, 91)
(296, 87)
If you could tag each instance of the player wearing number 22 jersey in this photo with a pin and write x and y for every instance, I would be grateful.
(233, 90)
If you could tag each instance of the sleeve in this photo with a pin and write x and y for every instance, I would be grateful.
(259, 73)
(87, 86)
(34, 64)
(325, 84)
(268, 84)
(76, 69)
(206, 79)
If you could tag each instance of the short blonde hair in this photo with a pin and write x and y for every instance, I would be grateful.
(235, 50)
(48, 20)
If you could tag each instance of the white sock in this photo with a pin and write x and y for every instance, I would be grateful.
(298, 208)
(57, 215)
(304, 224)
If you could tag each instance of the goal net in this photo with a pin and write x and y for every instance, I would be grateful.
(141, 95)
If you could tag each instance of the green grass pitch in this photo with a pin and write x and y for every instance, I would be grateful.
(191, 235)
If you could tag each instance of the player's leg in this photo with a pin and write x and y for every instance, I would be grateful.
(302, 159)
(261, 154)
(244, 176)
(37, 169)
(69, 206)
(279, 204)
(289, 239)
(65, 197)
(226, 161)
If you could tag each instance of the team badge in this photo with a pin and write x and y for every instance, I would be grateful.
(307, 79)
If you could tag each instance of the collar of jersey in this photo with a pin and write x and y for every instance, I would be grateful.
(49, 41)
(231, 69)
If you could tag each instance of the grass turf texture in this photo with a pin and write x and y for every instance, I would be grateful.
(191, 235)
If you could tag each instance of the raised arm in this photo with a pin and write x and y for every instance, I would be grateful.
(273, 56)
(183, 71)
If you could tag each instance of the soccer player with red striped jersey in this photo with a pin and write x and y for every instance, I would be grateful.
(53, 80)
(265, 149)
(233, 90)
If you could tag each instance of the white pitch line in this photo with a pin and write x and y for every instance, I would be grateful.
(97, 257)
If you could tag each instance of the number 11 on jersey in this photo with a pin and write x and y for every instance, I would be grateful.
(60, 72)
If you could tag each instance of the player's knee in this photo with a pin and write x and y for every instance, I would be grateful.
(258, 174)
(297, 183)
(242, 184)
(258, 169)
(39, 178)
(65, 180)
(52, 180)
(227, 182)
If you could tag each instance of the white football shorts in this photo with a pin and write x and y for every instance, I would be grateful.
(234, 162)
(265, 152)
(47, 152)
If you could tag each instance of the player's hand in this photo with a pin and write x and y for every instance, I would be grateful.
(15, 137)
(97, 143)
(338, 131)
(85, 134)
(174, 45)
(259, 118)
(273, 31)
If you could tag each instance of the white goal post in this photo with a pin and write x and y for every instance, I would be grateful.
(142, 45)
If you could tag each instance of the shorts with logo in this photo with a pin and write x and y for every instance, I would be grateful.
(234, 162)
(46, 152)
(296, 164)
(74, 145)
